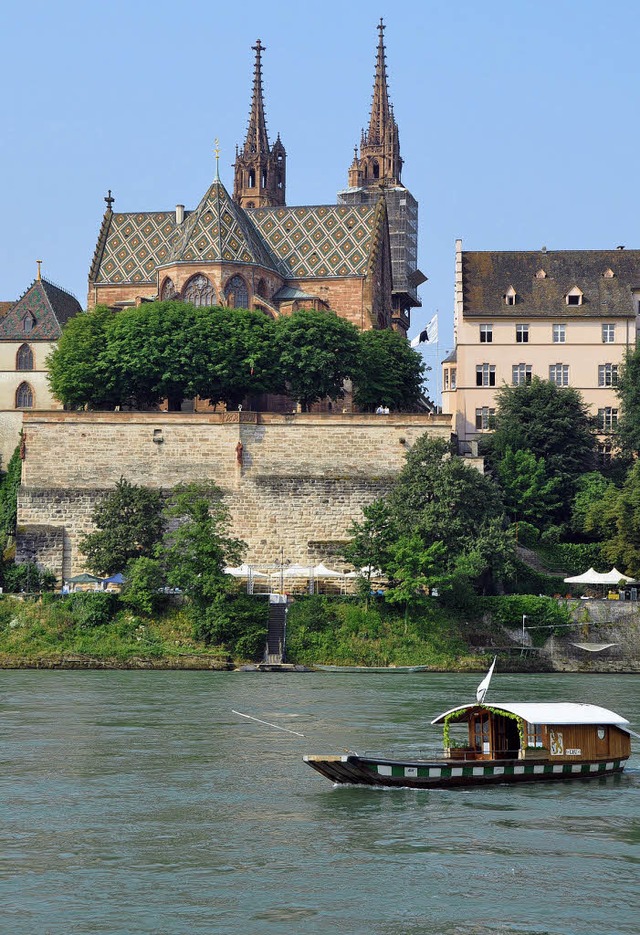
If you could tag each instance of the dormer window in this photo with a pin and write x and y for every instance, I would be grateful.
(574, 297)
(608, 274)
(541, 274)
(28, 322)
(510, 296)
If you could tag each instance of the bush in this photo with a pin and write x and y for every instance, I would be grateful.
(92, 608)
(524, 580)
(543, 614)
(238, 622)
(527, 534)
(27, 577)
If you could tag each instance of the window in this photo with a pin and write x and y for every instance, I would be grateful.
(608, 375)
(522, 334)
(559, 334)
(446, 378)
(453, 378)
(486, 334)
(199, 291)
(485, 375)
(236, 293)
(484, 417)
(608, 334)
(521, 374)
(534, 735)
(510, 296)
(28, 322)
(605, 453)
(24, 358)
(559, 374)
(24, 397)
(574, 296)
(607, 419)
(168, 290)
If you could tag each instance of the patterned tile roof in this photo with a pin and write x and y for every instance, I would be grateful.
(319, 240)
(4, 308)
(49, 307)
(219, 230)
(131, 246)
(542, 279)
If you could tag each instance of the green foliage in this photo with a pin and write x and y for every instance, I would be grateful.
(27, 577)
(553, 423)
(389, 372)
(628, 390)
(79, 372)
(529, 494)
(572, 558)
(91, 608)
(195, 552)
(237, 622)
(591, 490)
(521, 579)
(414, 569)
(129, 524)
(316, 352)
(527, 534)
(619, 518)
(144, 578)
(9, 485)
(543, 614)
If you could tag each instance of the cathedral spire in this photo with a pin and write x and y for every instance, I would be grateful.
(257, 140)
(260, 169)
(379, 161)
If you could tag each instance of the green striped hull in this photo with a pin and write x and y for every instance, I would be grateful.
(356, 770)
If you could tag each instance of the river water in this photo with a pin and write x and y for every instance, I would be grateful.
(137, 802)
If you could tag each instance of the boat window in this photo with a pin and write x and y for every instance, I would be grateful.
(481, 733)
(534, 735)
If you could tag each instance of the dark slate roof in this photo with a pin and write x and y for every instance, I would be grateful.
(486, 277)
(318, 241)
(219, 230)
(51, 307)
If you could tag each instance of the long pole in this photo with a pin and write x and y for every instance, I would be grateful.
(524, 617)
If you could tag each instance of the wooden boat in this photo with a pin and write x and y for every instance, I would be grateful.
(505, 742)
(370, 669)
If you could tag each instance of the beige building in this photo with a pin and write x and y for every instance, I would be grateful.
(567, 316)
(29, 329)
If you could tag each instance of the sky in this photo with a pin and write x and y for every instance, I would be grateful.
(518, 120)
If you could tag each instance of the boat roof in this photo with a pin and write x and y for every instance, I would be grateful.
(557, 712)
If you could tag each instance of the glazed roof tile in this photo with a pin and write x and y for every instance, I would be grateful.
(50, 306)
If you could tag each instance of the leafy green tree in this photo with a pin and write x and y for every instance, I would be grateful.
(316, 352)
(144, 580)
(592, 489)
(389, 372)
(195, 551)
(628, 390)
(9, 485)
(79, 372)
(528, 492)
(128, 524)
(554, 424)
(414, 568)
(618, 522)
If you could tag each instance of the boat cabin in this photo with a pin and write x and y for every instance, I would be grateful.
(554, 731)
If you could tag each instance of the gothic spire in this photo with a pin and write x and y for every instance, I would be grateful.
(257, 140)
(381, 114)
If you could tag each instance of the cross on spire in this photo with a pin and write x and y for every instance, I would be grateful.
(109, 199)
(257, 140)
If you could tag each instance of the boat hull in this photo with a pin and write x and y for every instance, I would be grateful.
(352, 769)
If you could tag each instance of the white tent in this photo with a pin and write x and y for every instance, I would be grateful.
(367, 572)
(293, 571)
(612, 577)
(244, 571)
(321, 571)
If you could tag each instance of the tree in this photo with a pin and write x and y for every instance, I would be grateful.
(316, 352)
(527, 491)
(142, 589)
(9, 497)
(619, 520)
(195, 552)
(129, 524)
(553, 423)
(628, 390)
(592, 490)
(79, 372)
(414, 568)
(389, 372)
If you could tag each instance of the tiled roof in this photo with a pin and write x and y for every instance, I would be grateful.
(4, 308)
(317, 241)
(132, 246)
(541, 280)
(50, 306)
(219, 230)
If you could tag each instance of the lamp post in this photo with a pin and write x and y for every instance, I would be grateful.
(524, 617)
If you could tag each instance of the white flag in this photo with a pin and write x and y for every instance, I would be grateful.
(427, 335)
(483, 687)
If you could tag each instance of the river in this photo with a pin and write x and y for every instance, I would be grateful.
(137, 802)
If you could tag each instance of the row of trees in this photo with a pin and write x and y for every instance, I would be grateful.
(176, 351)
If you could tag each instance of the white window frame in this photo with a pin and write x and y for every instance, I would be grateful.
(559, 333)
(607, 418)
(487, 373)
(521, 374)
(608, 333)
(486, 334)
(607, 374)
(522, 334)
(559, 374)
(484, 414)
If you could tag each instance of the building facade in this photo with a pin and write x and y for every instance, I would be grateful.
(252, 250)
(568, 316)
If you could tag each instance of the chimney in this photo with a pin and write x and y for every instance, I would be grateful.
(179, 214)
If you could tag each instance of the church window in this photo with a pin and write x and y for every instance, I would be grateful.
(376, 169)
(264, 178)
(252, 178)
(24, 358)
(236, 293)
(199, 291)
(28, 322)
(261, 288)
(168, 290)
(24, 397)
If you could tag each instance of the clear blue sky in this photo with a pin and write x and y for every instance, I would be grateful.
(518, 119)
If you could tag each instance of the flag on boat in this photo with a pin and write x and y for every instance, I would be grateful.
(428, 335)
(483, 687)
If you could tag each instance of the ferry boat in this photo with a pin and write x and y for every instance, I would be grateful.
(504, 743)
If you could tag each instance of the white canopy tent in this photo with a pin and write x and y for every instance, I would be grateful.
(591, 576)
(244, 571)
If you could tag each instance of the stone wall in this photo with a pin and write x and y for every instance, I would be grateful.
(302, 481)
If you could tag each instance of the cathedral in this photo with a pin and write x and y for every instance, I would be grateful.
(251, 250)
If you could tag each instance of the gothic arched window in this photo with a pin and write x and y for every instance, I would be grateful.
(376, 169)
(24, 358)
(28, 322)
(24, 397)
(261, 288)
(264, 178)
(236, 293)
(168, 290)
(199, 291)
(252, 178)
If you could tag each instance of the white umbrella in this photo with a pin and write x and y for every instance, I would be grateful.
(244, 571)
(293, 571)
(321, 571)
